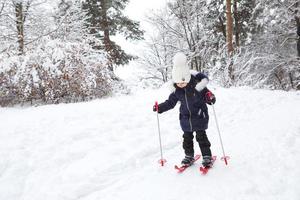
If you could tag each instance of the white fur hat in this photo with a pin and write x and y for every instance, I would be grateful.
(180, 71)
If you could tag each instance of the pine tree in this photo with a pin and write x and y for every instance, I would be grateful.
(105, 20)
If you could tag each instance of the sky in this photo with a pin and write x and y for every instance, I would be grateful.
(137, 10)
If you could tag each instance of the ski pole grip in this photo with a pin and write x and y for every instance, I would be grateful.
(156, 106)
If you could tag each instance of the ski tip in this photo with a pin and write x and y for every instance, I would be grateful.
(204, 170)
(179, 169)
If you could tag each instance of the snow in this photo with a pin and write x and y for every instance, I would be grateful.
(108, 149)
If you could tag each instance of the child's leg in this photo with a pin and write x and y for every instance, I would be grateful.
(204, 143)
(188, 144)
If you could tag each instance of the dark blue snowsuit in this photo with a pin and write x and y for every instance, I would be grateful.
(193, 114)
(193, 110)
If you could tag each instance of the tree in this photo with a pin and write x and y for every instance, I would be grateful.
(105, 20)
(162, 45)
(188, 26)
(23, 23)
(51, 61)
(21, 10)
(259, 48)
(229, 27)
(70, 22)
(297, 18)
(2, 5)
(298, 33)
(266, 59)
(245, 20)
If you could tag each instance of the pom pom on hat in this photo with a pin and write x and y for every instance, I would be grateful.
(180, 71)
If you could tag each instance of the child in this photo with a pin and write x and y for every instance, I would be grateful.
(190, 90)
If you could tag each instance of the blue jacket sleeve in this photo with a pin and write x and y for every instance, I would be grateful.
(168, 104)
(200, 76)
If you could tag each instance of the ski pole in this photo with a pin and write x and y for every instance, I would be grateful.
(161, 161)
(225, 158)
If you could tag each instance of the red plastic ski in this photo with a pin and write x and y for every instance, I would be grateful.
(204, 170)
(183, 167)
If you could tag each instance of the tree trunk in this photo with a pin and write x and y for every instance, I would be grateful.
(236, 24)
(298, 33)
(20, 26)
(105, 27)
(1, 8)
(229, 27)
(229, 31)
(222, 27)
(104, 24)
(297, 18)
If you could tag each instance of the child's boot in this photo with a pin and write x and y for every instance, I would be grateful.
(188, 160)
(207, 161)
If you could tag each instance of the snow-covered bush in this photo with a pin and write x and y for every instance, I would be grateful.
(54, 72)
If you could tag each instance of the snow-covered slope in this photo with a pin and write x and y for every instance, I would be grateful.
(108, 150)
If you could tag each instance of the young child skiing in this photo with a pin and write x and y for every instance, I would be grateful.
(190, 90)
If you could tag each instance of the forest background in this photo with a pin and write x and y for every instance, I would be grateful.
(69, 51)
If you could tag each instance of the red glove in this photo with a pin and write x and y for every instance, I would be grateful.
(210, 98)
(156, 108)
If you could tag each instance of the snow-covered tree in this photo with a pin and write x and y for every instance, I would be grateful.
(187, 26)
(58, 66)
(106, 19)
(264, 40)
(22, 23)
(274, 49)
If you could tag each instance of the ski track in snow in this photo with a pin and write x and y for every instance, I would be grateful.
(108, 149)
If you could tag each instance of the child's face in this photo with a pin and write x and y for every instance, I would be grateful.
(181, 85)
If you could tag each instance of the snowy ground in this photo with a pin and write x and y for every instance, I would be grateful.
(108, 150)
